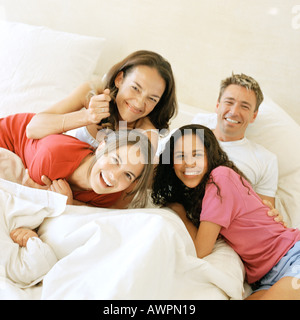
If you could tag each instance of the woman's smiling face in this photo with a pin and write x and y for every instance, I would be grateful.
(190, 161)
(138, 92)
(116, 170)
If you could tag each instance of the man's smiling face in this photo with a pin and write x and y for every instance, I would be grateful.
(235, 110)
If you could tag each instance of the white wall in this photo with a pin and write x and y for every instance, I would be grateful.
(205, 40)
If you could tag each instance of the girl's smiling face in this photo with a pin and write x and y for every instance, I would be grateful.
(139, 92)
(190, 161)
(116, 170)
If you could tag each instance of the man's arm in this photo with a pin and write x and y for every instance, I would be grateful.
(270, 199)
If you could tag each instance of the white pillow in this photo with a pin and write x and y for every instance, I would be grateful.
(185, 115)
(278, 132)
(40, 66)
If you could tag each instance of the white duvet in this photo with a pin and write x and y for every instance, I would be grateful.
(93, 253)
(25, 266)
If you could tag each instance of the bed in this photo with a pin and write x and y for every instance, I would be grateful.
(94, 253)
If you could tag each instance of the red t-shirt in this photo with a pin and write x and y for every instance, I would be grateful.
(55, 156)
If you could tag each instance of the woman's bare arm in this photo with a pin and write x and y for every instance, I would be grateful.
(70, 113)
(58, 117)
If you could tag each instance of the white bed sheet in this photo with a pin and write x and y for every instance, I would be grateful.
(23, 267)
(133, 254)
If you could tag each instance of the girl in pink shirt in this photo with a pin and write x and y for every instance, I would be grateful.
(197, 180)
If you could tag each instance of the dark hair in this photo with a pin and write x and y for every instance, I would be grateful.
(167, 105)
(168, 188)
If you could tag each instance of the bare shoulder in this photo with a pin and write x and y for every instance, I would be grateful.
(145, 124)
(147, 127)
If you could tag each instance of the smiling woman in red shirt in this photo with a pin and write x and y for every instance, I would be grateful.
(95, 177)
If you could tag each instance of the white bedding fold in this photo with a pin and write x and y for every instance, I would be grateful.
(26, 207)
(134, 254)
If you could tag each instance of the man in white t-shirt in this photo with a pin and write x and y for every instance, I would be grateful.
(237, 106)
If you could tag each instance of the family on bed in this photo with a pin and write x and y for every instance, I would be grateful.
(216, 181)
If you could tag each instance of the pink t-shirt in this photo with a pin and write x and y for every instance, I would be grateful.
(257, 238)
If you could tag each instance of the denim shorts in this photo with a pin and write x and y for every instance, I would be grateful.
(288, 266)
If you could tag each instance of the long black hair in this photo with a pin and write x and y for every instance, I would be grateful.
(168, 188)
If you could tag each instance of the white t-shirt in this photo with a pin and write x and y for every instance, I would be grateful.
(257, 163)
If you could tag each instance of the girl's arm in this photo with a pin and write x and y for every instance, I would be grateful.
(179, 209)
(70, 113)
(206, 238)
